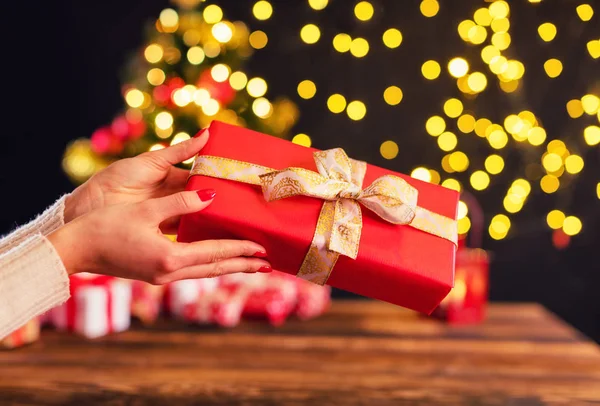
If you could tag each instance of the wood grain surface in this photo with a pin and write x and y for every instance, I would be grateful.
(360, 353)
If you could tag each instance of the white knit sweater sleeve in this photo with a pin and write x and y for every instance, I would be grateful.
(33, 278)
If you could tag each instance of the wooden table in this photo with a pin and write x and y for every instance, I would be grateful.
(361, 352)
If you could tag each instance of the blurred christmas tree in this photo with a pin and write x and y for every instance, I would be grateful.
(188, 73)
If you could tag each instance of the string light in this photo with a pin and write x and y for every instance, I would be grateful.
(302, 139)
(256, 87)
(359, 47)
(392, 95)
(547, 31)
(392, 38)
(585, 12)
(431, 70)
(429, 8)
(553, 67)
(318, 4)
(262, 10)
(336, 103)
(389, 149)
(356, 110)
(310, 33)
(342, 42)
(258, 40)
(212, 14)
(307, 89)
(363, 11)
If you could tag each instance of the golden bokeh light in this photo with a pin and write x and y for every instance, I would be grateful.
(553, 67)
(488, 53)
(463, 210)
(477, 34)
(574, 164)
(572, 225)
(494, 164)
(435, 125)
(500, 24)
(256, 87)
(466, 123)
(552, 162)
(536, 136)
(392, 38)
(557, 147)
(307, 89)
(458, 161)
(134, 98)
(156, 147)
(501, 40)
(220, 72)
(310, 33)
(238, 80)
(593, 48)
(180, 137)
(212, 49)
(435, 176)
(342, 42)
(431, 70)
(212, 14)
(336, 103)
(499, 64)
(591, 135)
(258, 40)
(359, 47)
(479, 180)
(464, 27)
(590, 104)
(195, 55)
(211, 107)
(464, 225)
(458, 67)
(364, 10)
(549, 183)
(482, 16)
(421, 174)
(393, 95)
(318, 4)
(555, 219)
(302, 139)
(153, 53)
(429, 8)
(499, 226)
(499, 9)
(498, 139)
(447, 141)
(356, 110)
(481, 126)
(453, 108)
(262, 107)
(262, 10)
(477, 82)
(389, 149)
(547, 31)
(163, 120)
(452, 184)
(585, 12)
(201, 97)
(222, 32)
(169, 19)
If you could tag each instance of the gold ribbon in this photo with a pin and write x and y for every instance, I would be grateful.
(338, 182)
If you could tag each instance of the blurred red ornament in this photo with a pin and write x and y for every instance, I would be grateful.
(104, 141)
(560, 240)
(120, 128)
(220, 91)
(161, 95)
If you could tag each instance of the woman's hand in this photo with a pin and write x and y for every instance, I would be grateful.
(125, 240)
(146, 176)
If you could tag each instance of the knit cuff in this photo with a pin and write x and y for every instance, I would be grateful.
(51, 219)
(33, 280)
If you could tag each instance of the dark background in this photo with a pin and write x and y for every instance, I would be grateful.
(61, 81)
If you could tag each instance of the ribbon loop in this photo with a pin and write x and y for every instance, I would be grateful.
(339, 183)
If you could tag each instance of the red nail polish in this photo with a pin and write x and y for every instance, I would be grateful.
(260, 254)
(265, 269)
(206, 194)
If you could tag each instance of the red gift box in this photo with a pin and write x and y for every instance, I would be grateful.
(222, 306)
(313, 300)
(272, 296)
(146, 301)
(395, 263)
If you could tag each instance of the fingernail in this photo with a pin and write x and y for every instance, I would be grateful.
(260, 254)
(206, 194)
(265, 269)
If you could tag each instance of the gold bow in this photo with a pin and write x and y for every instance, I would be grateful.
(338, 182)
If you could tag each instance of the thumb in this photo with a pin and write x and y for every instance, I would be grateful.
(181, 203)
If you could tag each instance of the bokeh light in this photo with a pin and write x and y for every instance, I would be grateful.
(262, 10)
(389, 149)
(307, 89)
(393, 95)
(363, 10)
(356, 110)
(310, 33)
(336, 103)
(392, 38)
(431, 70)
